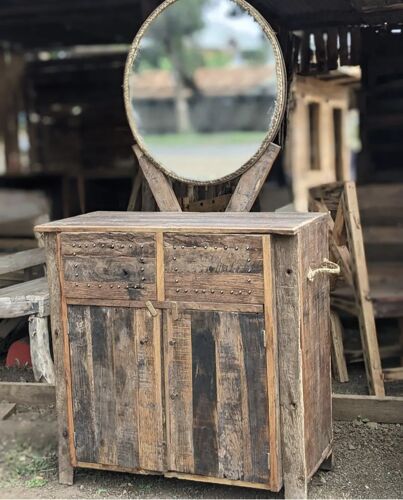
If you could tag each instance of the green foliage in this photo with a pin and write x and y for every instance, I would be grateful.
(24, 466)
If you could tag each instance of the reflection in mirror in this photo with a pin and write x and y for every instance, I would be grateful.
(202, 89)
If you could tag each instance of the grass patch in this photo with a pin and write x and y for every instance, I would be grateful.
(25, 467)
(197, 139)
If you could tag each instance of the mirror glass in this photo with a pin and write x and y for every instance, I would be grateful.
(204, 88)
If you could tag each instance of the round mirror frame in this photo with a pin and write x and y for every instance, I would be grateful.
(278, 114)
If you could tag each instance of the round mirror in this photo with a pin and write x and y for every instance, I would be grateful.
(204, 88)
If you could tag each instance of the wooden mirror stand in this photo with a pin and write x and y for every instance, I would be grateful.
(244, 196)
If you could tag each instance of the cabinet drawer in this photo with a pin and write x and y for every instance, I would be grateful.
(214, 268)
(109, 265)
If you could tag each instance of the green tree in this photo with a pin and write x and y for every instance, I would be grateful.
(170, 43)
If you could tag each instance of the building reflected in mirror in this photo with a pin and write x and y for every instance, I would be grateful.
(203, 88)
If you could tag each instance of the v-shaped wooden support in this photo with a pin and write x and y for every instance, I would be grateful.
(242, 200)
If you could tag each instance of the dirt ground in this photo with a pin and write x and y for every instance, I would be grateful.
(368, 464)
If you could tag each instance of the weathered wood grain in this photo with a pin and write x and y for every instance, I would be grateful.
(65, 467)
(230, 392)
(251, 182)
(126, 387)
(204, 392)
(213, 253)
(142, 222)
(255, 374)
(42, 363)
(179, 398)
(270, 324)
(22, 260)
(148, 333)
(116, 290)
(214, 287)
(103, 244)
(315, 346)
(79, 329)
(104, 384)
(161, 188)
(109, 269)
(288, 291)
(24, 299)
(28, 393)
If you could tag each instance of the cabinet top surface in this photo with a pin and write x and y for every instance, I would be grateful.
(255, 222)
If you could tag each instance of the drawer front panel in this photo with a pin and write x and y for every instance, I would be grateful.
(214, 268)
(109, 265)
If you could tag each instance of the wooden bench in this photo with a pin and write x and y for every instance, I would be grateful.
(29, 298)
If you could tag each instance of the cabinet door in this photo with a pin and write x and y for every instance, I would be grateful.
(217, 400)
(116, 386)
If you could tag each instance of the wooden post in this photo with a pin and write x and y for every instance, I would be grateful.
(160, 187)
(251, 182)
(42, 363)
(66, 471)
(363, 301)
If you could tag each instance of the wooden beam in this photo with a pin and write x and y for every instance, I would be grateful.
(252, 180)
(347, 407)
(160, 187)
(27, 393)
(387, 410)
(6, 409)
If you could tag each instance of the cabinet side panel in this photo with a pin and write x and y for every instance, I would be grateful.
(288, 302)
(316, 346)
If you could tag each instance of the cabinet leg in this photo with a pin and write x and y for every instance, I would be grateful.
(66, 471)
(327, 464)
(295, 487)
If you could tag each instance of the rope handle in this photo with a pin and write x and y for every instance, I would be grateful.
(328, 267)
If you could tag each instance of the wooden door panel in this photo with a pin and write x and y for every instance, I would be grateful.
(116, 386)
(217, 406)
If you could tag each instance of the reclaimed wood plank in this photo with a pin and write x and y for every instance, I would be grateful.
(42, 364)
(6, 409)
(288, 299)
(362, 294)
(126, 387)
(150, 432)
(387, 410)
(179, 399)
(104, 384)
(58, 339)
(251, 182)
(160, 187)
(22, 260)
(316, 370)
(204, 393)
(103, 244)
(270, 325)
(109, 269)
(256, 425)
(79, 331)
(214, 287)
(230, 391)
(339, 366)
(141, 222)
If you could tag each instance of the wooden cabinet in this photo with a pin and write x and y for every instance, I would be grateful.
(192, 346)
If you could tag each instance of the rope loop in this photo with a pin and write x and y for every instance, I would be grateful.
(328, 267)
